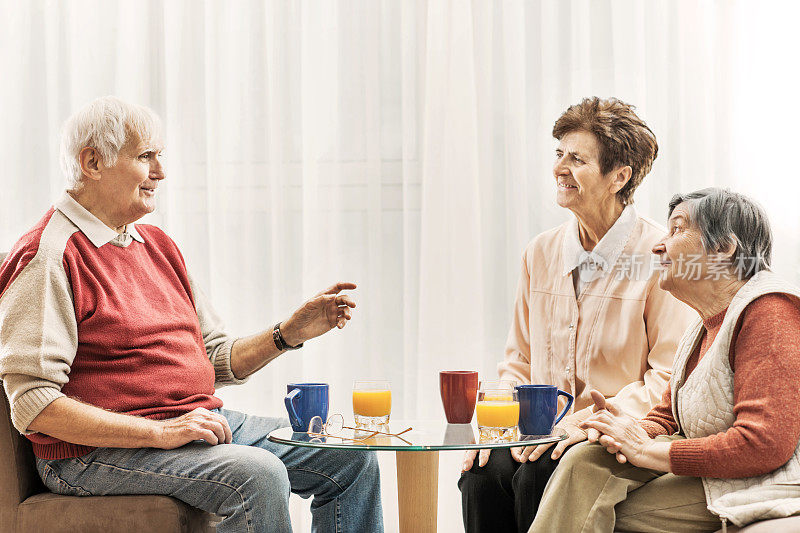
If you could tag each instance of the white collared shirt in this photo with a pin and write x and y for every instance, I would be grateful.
(587, 266)
(91, 226)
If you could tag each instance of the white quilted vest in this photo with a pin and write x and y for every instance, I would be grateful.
(703, 405)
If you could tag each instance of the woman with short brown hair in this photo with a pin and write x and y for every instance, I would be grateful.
(587, 312)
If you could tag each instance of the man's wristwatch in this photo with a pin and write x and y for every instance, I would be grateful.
(280, 343)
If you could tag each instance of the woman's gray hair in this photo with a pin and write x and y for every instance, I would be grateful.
(104, 124)
(726, 217)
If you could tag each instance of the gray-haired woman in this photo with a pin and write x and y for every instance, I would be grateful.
(723, 444)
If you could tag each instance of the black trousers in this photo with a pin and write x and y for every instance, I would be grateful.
(504, 495)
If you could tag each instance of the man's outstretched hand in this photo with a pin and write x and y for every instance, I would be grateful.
(320, 314)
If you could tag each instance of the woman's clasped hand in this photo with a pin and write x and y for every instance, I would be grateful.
(622, 435)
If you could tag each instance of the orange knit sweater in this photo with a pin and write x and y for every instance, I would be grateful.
(765, 357)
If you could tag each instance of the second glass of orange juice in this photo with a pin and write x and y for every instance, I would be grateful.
(372, 403)
(497, 412)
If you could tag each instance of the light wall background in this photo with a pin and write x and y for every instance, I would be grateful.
(401, 144)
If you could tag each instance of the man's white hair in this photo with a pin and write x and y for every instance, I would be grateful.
(104, 124)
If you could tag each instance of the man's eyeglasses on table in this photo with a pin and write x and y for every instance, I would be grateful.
(334, 426)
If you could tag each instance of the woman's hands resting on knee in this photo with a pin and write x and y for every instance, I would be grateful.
(530, 453)
(469, 458)
(621, 434)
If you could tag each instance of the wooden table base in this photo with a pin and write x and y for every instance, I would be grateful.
(417, 490)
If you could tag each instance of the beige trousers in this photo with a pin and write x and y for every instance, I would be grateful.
(591, 492)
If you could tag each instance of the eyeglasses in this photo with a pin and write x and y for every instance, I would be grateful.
(335, 425)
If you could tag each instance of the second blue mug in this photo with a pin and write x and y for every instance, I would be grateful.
(304, 401)
(537, 408)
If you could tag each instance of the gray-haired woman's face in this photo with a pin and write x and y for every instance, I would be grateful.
(683, 258)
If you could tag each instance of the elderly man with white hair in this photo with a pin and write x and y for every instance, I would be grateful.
(110, 354)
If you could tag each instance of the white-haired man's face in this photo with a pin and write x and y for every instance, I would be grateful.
(127, 189)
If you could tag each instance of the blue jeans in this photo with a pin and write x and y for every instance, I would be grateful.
(246, 482)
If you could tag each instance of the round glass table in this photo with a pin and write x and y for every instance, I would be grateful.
(417, 451)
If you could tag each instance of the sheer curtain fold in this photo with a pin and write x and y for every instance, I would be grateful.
(403, 145)
(451, 291)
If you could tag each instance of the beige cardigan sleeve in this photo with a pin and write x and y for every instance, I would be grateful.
(217, 342)
(38, 337)
(516, 365)
(666, 319)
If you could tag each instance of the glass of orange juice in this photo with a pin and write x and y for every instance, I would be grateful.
(372, 403)
(497, 412)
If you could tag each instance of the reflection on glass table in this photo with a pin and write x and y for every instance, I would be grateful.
(404, 435)
(417, 473)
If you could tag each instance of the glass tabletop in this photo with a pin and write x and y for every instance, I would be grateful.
(424, 435)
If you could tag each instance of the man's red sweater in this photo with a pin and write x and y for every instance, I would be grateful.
(139, 347)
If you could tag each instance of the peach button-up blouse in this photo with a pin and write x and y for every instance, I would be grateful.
(618, 336)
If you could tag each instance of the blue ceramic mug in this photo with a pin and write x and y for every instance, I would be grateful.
(304, 401)
(537, 408)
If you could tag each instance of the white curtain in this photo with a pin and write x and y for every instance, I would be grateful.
(401, 144)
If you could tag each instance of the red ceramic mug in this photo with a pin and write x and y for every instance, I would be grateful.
(459, 389)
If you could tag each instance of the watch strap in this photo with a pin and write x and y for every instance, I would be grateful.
(280, 342)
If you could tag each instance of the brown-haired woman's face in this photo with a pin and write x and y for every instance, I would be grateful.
(581, 185)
